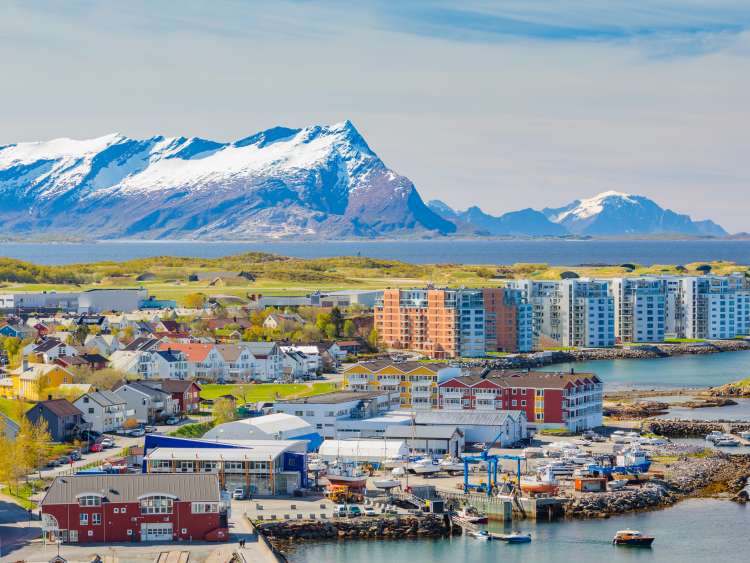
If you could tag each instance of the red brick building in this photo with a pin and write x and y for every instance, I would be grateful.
(133, 508)
(550, 400)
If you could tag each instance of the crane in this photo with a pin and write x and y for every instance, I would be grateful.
(492, 463)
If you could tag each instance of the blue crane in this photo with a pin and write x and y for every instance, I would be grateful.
(492, 464)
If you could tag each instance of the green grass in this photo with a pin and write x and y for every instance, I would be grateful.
(23, 492)
(683, 340)
(555, 432)
(252, 393)
(196, 430)
(9, 407)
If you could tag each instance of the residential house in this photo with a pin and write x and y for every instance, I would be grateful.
(350, 347)
(48, 350)
(295, 365)
(268, 360)
(284, 321)
(64, 420)
(186, 393)
(19, 331)
(105, 344)
(140, 363)
(145, 404)
(238, 360)
(143, 343)
(311, 355)
(99, 322)
(104, 410)
(203, 360)
(170, 364)
(33, 379)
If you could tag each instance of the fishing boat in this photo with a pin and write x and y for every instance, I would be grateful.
(348, 475)
(543, 482)
(633, 460)
(471, 515)
(632, 538)
(386, 484)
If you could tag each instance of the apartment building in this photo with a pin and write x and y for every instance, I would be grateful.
(549, 400)
(640, 305)
(416, 383)
(449, 323)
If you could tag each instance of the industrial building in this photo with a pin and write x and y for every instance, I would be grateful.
(90, 301)
(278, 426)
(362, 450)
(260, 467)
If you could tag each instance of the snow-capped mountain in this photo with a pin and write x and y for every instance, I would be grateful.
(614, 213)
(321, 181)
(526, 222)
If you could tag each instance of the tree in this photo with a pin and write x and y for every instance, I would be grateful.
(223, 411)
(194, 300)
(80, 334)
(372, 339)
(337, 319)
(101, 379)
(350, 329)
(330, 330)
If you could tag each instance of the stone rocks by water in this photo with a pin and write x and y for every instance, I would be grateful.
(281, 534)
(693, 428)
(738, 389)
(629, 411)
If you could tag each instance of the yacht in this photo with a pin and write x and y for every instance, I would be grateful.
(386, 484)
(316, 465)
(714, 435)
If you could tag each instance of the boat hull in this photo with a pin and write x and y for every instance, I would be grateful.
(634, 542)
(352, 482)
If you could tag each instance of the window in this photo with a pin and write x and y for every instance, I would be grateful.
(116, 511)
(96, 519)
(83, 519)
(90, 500)
(156, 505)
(122, 510)
(205, 508)
(129, 532)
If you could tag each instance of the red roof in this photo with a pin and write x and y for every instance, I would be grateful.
(193, 352)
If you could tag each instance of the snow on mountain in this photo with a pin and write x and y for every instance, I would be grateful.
(318, 181)
(613, 213)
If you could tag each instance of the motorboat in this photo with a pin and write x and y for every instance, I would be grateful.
(543, 482)
(451, 465)
(386, 484)
(483, 535)
(398, 472)
(714, 435)
(529, 453)
(655, 441)
(559, 468)
(514, 537)
(632, 538)
(471, 515)
(633, 460)
(316, 465)
(393, 462)
(425, 467)
(727, 442)
(745, 435)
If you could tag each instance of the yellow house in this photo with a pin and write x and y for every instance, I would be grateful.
(7, 388)
(32, 379)
(416, 382)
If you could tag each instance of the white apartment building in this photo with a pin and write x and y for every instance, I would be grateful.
(639, 309)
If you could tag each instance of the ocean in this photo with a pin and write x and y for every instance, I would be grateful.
(553, 252)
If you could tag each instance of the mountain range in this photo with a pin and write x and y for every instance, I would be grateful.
(317, 182)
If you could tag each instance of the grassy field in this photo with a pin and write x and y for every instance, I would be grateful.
(295, 276)
(253, 393)
(9, 408)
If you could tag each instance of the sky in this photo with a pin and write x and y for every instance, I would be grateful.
(505, 104)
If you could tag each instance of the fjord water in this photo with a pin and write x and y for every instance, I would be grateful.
(700, 370)
(693, 530)
(553, 252)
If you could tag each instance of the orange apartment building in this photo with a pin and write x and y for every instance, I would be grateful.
(450, 323)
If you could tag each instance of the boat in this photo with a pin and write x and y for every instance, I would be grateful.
(633, 460)
(483, 535)
(714, 435)
(617, 484)
(745, 435)
(543, 482)
(727, 442)
(451, 465)
(424, 467)
(316, 465)
(393, 462)
(398, 472)
(530, 452)
(471, 515)
(559, 468)
(514, 537)
(386, 484)
(632, 538)
(348, 475)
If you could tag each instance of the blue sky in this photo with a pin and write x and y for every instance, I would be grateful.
(502, 104)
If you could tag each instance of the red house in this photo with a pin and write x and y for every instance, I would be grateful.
(132, 508)
(185, 392)
(550, 400)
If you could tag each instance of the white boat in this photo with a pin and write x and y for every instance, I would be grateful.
(617, 484)
(424, 467)
(745, 435)
(543, 482)
(529, 453)
(347, 474)
(316, 465)
(483, 535)
(451, 465)
(727, 442)
(392, 462)
(471, 515)
(714, 435)
(386, 484)
(398, 472)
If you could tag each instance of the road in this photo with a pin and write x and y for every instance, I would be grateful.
(16, 530)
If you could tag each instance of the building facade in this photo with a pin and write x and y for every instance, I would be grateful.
(640, 309)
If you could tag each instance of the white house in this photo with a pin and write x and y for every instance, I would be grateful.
(313, 363)
(140, 363)
(104, 410)
(105, 344)
(146, 404)
(268, 360)
(49, 350)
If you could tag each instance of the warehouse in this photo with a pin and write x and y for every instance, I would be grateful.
(277, 426)
(431, 440)
(361, 451)
(508, 427)
(260, 467)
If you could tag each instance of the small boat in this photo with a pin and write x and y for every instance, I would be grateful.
(398, 472)
(316, 465)
(424, 467)
(471, 515)
(617, 484)
(727, 442)
(386, 484)
(745, 435)
(451, 465)
(483, 535)
(346, 474)
(714, 435)
(632, 538)
(632, 460)
(543, 482)
(515, 537)
(529, 453)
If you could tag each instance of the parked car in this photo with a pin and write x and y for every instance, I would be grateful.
(238, 493)
(370, 511)
(137, 432)
(149, 429)
(89, 436)
(340, 510)
(107, 442)
(53, 463)
(97, 447)
(172, 420)
(64, 460)
(354, 511)
(75, 455)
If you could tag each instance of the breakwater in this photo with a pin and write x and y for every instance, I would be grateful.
(693, 428)
(282, 534)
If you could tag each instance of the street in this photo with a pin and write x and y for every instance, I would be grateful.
(16, 530)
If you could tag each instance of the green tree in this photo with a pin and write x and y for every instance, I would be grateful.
(337, 319)
(350, 329)
(223, 411)
(372, 339)
(194, 300)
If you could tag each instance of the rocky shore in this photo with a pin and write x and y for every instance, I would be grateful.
(283, 534)
(737, 390)
(693, 428)
(630, 411)
(617, 353)
(686, 477)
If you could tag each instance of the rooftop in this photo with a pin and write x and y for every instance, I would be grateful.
(336, 397)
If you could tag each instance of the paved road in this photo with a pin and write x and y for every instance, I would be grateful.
(16, 530)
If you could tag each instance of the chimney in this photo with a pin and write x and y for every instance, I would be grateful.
(25, 363)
